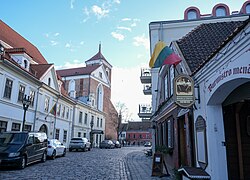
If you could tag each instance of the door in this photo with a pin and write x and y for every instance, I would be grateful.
(237, 139)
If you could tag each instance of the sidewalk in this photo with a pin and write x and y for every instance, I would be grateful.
(140, 166)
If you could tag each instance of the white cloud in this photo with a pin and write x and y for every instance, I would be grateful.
(82, 43)
(124, 28)
(118, 36)
(117, 1)
(68, 65)
(99, 12)
(86, 11)
(126, 19)
(56, 34)
(141, 41)
(133, 24)
(127, 88)
(53, 43)
(72, 4)
(67, 45)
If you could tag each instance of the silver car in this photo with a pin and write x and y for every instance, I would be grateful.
(55, 148)
(79, 143)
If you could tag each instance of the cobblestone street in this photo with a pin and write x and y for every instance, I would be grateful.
(125, 163)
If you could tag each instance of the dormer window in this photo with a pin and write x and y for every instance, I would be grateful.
(100, 74)
(220, 11)
(192, 14)
(25, 64)
(248, 8)
(49, 81)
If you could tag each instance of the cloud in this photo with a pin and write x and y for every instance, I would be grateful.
(68, 65)
(118, 36)
(53, 43)
(124, 28)
(117, 1)
(56, 34)
(67, 45)
(141, 41)
(133, 24)
(99, 12)
(82, 43)
(72, 4)
(126, 83)
(126, 19)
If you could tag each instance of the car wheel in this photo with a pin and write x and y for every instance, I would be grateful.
(64, 153)
(70, 150)
(22, 164)
(84, 149)
(44, 157)
(53, 155)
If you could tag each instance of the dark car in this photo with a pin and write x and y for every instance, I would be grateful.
(22, 148)
(107, 144)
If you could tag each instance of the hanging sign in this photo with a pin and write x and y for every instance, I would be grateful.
(184, 90)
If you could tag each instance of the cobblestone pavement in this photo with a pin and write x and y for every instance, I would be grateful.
(126, 163)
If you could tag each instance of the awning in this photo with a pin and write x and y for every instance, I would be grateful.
(95, 131)
(182, 112)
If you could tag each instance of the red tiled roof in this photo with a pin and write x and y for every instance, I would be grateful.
(39, 69)
(77, 71)
(11, 37)
(203, 42)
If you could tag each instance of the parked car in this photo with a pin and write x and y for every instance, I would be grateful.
(147, 144)
(79, 143)
(22, 148)
(117, 144)
(107, 144)
(55, 148)
(148, 152)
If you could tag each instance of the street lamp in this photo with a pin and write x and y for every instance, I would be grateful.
(26, 102)
(91, 134)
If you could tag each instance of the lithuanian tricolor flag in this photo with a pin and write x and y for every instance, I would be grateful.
(163, 55)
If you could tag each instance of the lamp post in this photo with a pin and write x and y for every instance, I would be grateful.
(91, 134)
(26, 103)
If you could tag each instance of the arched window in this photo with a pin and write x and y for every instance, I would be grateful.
(25, 64)
(248, 8)
(220, 11)
(99, 98)
(192, 14)
(49, 81)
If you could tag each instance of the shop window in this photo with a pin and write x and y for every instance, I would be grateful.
(64, 136)
(57, 134)
(15, 127)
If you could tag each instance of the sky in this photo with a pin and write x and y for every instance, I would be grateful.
(68, 32)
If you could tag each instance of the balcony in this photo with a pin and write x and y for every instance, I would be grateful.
(145, 111)
(147, 89)
(145, 76)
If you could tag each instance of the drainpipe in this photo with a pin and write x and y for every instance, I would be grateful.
(73, 121)
(34, 124)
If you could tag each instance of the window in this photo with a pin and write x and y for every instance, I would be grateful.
(67, 113)
(192, 14)
(220, 11)
(25, 63)
(248, 8)
(100, 74)
(49, 81)
(171, 75)
(170, 134)
(27, 128)
(58, 111)
(21, 93)
(3, 126)
(129, 136)
(57, 134)
(80, 117)
(134, 136)
(97, 124)
(79, 134)
(15, 127)
(63, 111)
(140, 136)
(101, 123)
(32, 97)
(84, 135)
(86, 118)
(8, 88)
(166, 86)
(64, 136)
(46, 104)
